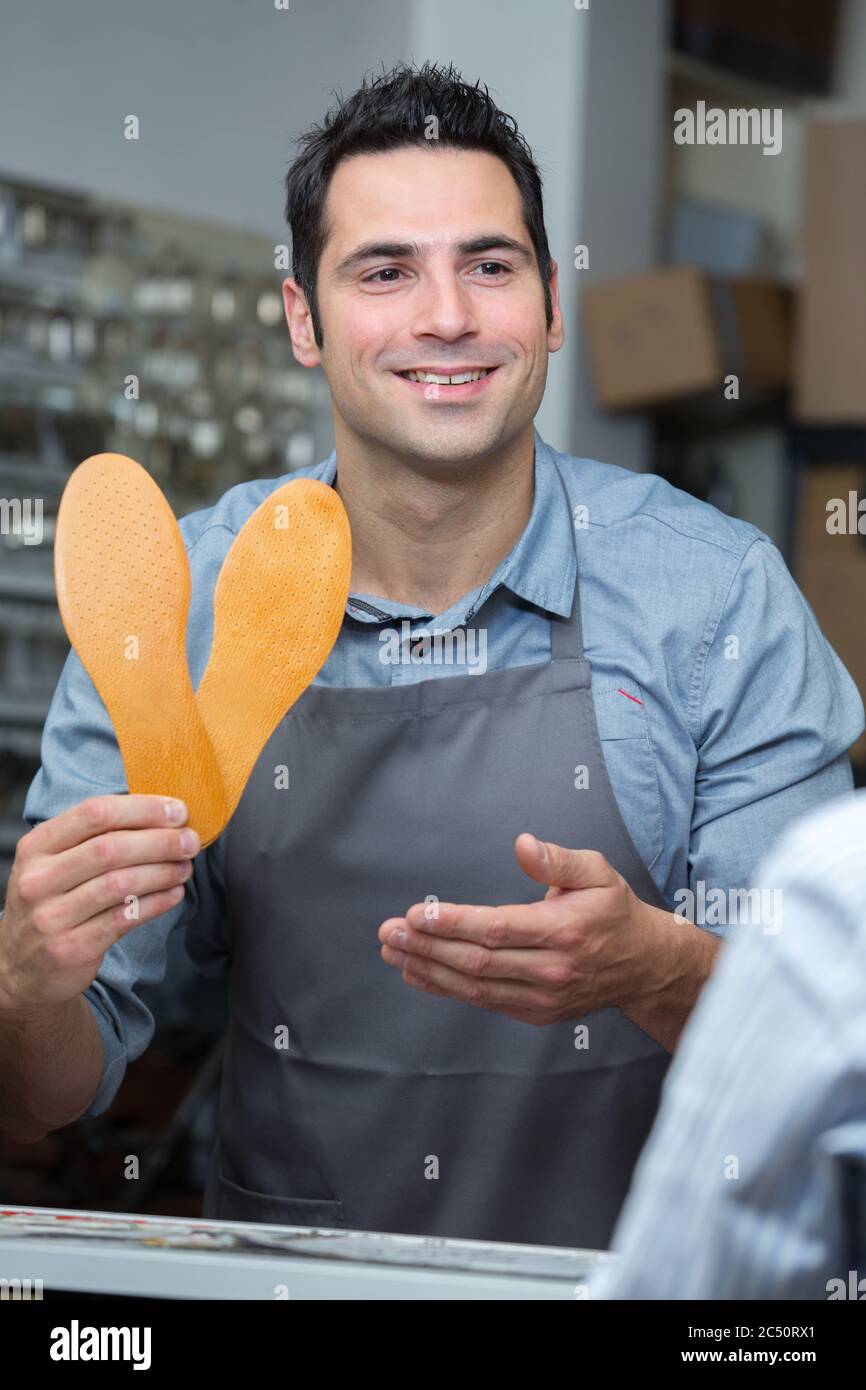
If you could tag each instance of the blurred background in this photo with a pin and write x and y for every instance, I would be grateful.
(714, 294)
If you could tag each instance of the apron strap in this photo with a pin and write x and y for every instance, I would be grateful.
(566, 634)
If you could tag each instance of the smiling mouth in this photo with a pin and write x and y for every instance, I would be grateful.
(441, 379)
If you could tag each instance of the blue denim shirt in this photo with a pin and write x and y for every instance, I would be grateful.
(722, 711)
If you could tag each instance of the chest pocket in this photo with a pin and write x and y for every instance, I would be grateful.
(623, 730)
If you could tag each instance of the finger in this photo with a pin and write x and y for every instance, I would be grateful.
(484, 994)
(89, 942)
(113, 850)
(549, 969)
(557, 866)
(519, 1015)
(113, 811)
(73, 909)
(514, 924)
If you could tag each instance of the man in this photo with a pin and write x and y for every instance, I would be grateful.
(490, 1064)
(753, 1184)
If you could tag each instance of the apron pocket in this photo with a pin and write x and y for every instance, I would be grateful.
(235, 1203)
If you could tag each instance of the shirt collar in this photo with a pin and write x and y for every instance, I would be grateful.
(541, 568)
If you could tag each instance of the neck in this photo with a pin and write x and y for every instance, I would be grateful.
(428, 536)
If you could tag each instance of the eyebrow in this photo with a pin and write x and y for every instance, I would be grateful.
(401, 250)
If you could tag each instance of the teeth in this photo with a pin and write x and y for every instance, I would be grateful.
(432, 377)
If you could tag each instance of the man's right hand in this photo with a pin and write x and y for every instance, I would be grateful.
(79, 882)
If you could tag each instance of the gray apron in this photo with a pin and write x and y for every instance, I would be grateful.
(349, 1098)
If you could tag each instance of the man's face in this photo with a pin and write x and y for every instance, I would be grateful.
(397, 291)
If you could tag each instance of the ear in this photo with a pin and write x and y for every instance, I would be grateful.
(300, 324)
(556, 331)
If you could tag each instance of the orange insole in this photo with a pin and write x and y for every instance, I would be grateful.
(123, 589)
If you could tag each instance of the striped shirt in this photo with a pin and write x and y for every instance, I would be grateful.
(753, 1181)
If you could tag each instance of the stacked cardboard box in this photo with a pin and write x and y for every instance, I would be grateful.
(830, 564)
(678, 332)
(830, 368)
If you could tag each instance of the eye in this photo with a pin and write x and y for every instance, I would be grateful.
(499, 266)
(386, 270)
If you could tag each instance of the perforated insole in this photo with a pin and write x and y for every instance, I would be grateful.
(123, 589)
(279, 604)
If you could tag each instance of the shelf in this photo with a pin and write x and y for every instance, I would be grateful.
(33, 586)
(732, 84)
(23, 711)
(821, 444)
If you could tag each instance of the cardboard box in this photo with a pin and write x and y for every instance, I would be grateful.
(831, 569)
(676, 332)
(830, 355)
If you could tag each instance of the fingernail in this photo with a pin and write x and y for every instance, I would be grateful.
(175, 811)
(542, 847)
(398, 937)
(189, 841)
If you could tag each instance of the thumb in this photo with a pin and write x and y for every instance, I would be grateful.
(560, 867)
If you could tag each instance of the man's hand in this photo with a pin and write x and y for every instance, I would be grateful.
(80, 881)
(590, 944)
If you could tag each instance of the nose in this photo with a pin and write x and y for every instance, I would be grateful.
(443, 306)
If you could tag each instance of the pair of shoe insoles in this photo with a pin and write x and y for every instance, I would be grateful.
(123, 588)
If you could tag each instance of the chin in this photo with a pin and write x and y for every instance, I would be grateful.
(443, 442)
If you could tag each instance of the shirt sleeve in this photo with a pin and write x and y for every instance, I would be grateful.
(79, 759)
(757, 1160)
(776, 712)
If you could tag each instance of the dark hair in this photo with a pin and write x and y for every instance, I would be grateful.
(391, 112)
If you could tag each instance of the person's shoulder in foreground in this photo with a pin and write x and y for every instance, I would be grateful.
(753, 1181)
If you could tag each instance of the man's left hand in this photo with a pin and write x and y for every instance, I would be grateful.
(589, 944)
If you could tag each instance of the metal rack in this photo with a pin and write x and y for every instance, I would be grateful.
(128, 330)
